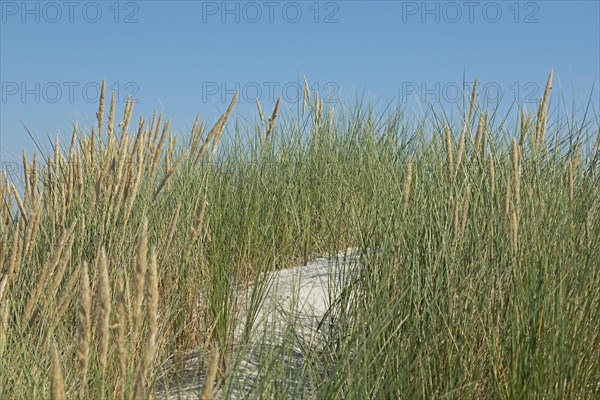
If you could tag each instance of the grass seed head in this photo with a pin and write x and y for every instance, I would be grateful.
(83, 342)
(103, 312)
(273, 118)
(472, 102)
(449, 162)
(58, 384)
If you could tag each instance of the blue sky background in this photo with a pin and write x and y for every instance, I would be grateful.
(185, 57)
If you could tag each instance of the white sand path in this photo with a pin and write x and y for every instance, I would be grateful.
(300, 296)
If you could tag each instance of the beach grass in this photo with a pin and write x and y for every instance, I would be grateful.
(131, 247)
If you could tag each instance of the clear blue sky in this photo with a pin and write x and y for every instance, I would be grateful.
(185, 57)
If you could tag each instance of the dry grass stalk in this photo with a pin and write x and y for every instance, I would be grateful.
(65, 298)
(171, 228)
(88, 156)
(407, 184)
(318, 104)
(8, 203)
(272, 120)
(98, 187)
(209, 137)
(63, 209)
(33, 227)
(3, 244)
(103, 312)
(477, 138)
(198, 225)
(57, 158)
(198, 132)
(63, 263)
(122, 328)
(138, 136)
(305, 96)
(169, 153)
(100, 113)
(525, 125)
(152, 315)
(19, 203)
(122, 160)
(58, 384)
(34, 178)
(69, 190)
(118, 164)
(138, 178)
(516, 176)
(515, 230)
(492, 175)
(47, 269)
(127, 113)
(472, 103)
(3, 285)
(211, 375)
(152, 311)
(84, 328)
(139, 280)
(506, 201)
(216, 131)
(576, 158)
(14, 262)
(449, 161)
(540, 323)
(73, 140)
(261, 121)
(260, 113)
(80, 176)
(461, 146)
(161, 143)
(53, 174)
(129, 182)
(27, 172)
(168, 175)
(154, 138)
(194, 137)
(4, 311)
(26, 177)
(111, 120)
(46, 188)
(484, 137)
(152, 123)
(223, 122)
(543, 112)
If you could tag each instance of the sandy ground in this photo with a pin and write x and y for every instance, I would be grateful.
(300, 295)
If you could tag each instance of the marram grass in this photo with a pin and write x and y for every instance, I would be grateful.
(130, 247)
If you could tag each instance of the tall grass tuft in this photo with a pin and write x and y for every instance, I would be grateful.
(130, 253)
